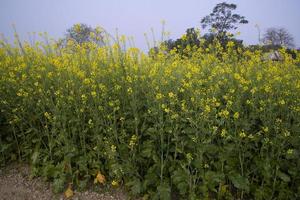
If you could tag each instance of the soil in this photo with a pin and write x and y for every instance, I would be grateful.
(16, 184)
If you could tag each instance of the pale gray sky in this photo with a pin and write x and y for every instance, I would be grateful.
(135, 17)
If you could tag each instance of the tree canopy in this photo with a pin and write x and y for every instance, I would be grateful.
(82, 33)
(191, 38)
(278, 37)
(222, 19)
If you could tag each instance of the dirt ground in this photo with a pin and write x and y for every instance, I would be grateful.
(16, 184)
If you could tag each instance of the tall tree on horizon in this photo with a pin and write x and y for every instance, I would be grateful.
(81, 33)
(222, 19)
(278, 37)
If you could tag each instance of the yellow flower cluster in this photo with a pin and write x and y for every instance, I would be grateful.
(104, 102)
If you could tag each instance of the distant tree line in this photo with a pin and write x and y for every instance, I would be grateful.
(219, 22)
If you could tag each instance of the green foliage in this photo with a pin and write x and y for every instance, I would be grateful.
(221, 123)
(222, 19)
(82, 33)
(191, 41)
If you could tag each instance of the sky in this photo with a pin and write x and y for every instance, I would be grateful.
(133, 18)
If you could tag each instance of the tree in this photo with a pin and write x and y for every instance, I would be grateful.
(82, 33)
(222, 19)
(209, 39)
(191, 38)
(278, 37)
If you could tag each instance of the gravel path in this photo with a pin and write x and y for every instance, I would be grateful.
(15, 184)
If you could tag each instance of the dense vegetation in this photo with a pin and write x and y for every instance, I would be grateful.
(212, 123)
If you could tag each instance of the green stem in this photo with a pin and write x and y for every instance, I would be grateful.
(18, 146)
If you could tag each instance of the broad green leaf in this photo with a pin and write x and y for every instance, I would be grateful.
(283, 176)
(240, 182)
(135, 186)
(164, 191)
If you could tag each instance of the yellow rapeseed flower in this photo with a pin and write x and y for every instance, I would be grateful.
(113, 148)
(223, 133)
(94, 93)
(115, 183)
(265, 129)
(282, 102)
(290, 151)
(207, 109)
(133, 141)
(69, 192)
(159, 96)
(236, 115)
(242, 134)
(171, 94)
(100, 178)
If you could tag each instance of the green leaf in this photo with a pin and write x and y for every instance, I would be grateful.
(164, 191)
(283, 176)
(4, 147)
(180, 179)
(135, 186)
(59, 184)
(151, 130)
(35, 157)
(147, 152)
(240, 182)
(50, 171)
(214, 176)
(82, 184)
(183, 188)
(197, 163)
(147, 149)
